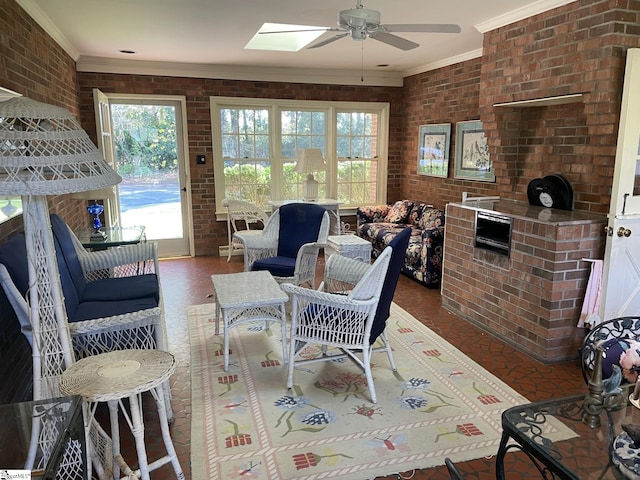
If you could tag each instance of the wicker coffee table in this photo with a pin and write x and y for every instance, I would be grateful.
(248, 297)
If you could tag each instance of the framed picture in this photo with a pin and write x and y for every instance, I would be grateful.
(433, 150)
(472, 153)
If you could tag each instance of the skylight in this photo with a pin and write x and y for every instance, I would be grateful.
(290, 39)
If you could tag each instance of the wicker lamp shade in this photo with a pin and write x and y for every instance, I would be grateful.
(44, 151)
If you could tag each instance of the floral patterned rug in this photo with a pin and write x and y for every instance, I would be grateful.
(245, 424)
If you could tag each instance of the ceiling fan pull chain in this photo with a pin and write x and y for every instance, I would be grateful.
(362, 61)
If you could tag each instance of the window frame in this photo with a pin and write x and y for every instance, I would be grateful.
(275, 107)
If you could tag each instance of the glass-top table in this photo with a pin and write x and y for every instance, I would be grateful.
(115, 237)
(49, 431)
(581, 453)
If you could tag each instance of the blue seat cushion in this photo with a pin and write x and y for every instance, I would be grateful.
(278, 266)
(122, 288)
(13, 255)
(67, 255)
(92, 310)
(299, 224)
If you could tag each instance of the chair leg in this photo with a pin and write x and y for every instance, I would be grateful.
(387, 346)
(366, 360)
(292, 355)
(283, 329)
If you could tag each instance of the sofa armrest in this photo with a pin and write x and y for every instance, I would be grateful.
(431, 253)
(372, 214)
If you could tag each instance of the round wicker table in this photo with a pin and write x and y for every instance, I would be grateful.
(125, 374)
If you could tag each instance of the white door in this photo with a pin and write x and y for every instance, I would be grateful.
(620, 294)
(105, 145)
(145, 139)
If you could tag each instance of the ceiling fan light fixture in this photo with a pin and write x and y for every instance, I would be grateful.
(359, 34)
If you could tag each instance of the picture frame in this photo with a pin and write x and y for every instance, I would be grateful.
(433, 150)
(473, 161)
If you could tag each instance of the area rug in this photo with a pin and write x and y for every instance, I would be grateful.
(245, 424)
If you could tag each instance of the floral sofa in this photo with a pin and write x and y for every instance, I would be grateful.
(379, 224)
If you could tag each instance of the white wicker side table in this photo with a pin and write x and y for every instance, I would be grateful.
(111, 377)
(351, 246)
(248, 297)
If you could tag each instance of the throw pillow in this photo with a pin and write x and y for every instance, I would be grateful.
(623, 352)
(399, 212)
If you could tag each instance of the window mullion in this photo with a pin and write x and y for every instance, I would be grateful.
(275, 142)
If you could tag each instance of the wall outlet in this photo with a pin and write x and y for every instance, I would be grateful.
(201, 159)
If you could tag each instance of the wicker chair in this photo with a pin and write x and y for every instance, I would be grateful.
(132, 319)
(349, 311)
(240, 211)
(288, 246)
(136, 318)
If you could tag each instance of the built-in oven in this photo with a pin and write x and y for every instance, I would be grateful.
(493, 232)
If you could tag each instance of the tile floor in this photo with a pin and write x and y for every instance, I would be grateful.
(186, 282)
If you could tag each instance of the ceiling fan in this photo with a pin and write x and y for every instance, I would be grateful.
(361, 23)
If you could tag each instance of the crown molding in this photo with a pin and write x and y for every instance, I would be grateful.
(520, 14)
(443, 63)
(237, 72)
(48, 26)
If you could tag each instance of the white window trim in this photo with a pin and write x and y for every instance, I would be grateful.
(275, 106)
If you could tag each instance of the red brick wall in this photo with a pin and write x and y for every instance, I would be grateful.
(447, 95)
(577, 48)
(208, 233)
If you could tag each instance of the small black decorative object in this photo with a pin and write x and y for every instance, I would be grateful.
(551, 191)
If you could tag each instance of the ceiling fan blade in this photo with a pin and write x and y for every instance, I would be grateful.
(423, 27)
(393, 40)
(328, 41)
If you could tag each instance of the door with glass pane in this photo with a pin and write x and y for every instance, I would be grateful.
(148, 146)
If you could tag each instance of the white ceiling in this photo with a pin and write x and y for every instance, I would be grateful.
(196, 35)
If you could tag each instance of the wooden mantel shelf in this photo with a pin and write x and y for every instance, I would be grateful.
(543, 102)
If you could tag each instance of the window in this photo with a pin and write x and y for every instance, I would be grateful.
(256, 143)
(246, 153)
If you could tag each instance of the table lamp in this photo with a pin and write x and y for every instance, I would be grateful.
(44, 151)
(95, 209)
(310, 160)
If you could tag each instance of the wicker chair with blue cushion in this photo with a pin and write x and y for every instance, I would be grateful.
(104, 312)
(289, 244)
(349, 312)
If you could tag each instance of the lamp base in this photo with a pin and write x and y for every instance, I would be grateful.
(310, 189)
